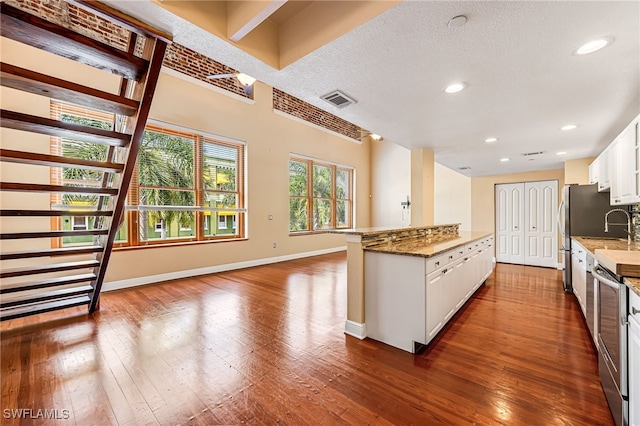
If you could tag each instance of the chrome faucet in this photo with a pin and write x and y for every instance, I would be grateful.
(606, 223)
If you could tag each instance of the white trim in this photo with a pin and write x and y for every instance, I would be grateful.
(152, 279)
(315, 126)
(205, 85)
(355, 329)
(561, 266)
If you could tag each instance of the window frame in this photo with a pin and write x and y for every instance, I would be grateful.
(333, 199)
(133, 208)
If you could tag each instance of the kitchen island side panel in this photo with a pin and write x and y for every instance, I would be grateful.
(395, 299)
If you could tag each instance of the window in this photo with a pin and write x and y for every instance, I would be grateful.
(183, 180)
(320, 195)
(79, 223)
(222, 222)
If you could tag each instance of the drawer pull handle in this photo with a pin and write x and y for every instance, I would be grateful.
(634, 311)
(437, 263)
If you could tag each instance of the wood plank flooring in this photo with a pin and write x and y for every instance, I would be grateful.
(265, 345)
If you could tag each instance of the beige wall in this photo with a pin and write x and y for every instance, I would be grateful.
(483, 194)
(269, 138)
(452, 197)
(422, 187)
(577, 171)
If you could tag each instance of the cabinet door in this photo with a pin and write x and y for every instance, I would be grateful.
(509, 222)
(604, 182)
(540, 235)
(435, 311)
(636, 158)
(622, 151)
(634, 370)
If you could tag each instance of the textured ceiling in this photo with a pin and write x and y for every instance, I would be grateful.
(524, 83)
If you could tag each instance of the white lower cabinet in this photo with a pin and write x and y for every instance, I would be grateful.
(409, 299)
(634, 361)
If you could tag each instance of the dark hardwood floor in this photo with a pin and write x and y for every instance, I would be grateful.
(265, 345)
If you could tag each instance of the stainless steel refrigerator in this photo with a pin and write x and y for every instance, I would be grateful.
(581, 214)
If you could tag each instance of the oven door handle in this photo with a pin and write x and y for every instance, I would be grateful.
(597, 275)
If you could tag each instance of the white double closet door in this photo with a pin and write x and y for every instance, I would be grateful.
(526, 220)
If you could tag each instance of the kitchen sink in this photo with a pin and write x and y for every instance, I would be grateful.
(604, 238)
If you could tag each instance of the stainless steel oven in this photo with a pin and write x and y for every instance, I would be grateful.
(612, 339)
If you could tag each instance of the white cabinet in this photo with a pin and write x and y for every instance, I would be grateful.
(409, 299)
(604, 177)
(617, 168)
(579, 275)
(634, 360)
(623, 150)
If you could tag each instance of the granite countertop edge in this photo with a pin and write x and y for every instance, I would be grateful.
(592, 244)
(419, 248)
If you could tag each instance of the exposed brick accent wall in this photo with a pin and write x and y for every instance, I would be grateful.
(78, 20)
(298, 108)
(193, 64)
(178, 58)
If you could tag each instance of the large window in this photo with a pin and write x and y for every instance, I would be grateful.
(320, 195)
(186, 186)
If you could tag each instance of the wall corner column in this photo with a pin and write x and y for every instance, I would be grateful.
(422, 187)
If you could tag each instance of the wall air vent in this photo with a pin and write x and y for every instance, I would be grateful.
(464, 168)
(338, 99)
(528, 154)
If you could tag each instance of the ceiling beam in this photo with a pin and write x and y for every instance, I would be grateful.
(244, 16)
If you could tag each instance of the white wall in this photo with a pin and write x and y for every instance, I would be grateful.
(452, 200)
(390, 184)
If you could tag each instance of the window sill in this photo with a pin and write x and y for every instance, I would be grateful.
(177, 244)
(323, 231)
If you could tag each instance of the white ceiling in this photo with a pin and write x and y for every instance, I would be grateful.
(524, 83)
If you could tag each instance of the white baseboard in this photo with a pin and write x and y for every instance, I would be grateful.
(561, 266)
(151, 279)
(355, 329)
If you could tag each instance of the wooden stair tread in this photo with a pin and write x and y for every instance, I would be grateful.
(54, 213)
(42, 269)
(41, 84)
(66, 189)
(51, 234)
(23, 311)
(34, 31)
(52, 282)
(34, 158)
(16, 299)
(47, 126)
(63, 251)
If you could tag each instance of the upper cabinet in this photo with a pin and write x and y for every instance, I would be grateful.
(618, 167)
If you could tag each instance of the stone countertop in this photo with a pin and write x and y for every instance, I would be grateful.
(595, 243)
(423, 247)
(633, 284)
(382, 229)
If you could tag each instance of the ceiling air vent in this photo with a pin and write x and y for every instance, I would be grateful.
(528, 154)
(464, 168)
(338, 99)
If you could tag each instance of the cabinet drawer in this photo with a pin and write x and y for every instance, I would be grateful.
(634, 305)
(434, 263)
(452, 255)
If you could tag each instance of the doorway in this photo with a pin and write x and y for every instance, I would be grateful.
(526, 231)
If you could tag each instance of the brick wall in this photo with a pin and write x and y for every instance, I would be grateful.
(291, 105)
(179, 58)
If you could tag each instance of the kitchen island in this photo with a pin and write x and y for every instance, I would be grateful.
(409, 282)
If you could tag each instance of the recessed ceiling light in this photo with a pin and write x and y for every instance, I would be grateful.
(490, 140)
(561, 153)
(457, 21)
(594, 45)
(504, 159)
(568, 127)
(455, 88)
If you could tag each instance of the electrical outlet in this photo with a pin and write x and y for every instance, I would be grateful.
(274, 245)
(270, 217)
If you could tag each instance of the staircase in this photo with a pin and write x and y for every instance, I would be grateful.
(43, 275)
